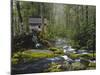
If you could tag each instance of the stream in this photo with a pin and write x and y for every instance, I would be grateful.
(40, 65)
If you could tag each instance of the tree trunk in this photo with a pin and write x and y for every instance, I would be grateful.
(20, 16)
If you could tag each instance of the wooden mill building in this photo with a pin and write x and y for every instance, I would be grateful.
(36, 23)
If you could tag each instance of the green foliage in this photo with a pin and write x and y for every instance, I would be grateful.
(74, 56)
(86, 56)
(14, 60)
(85, 62)
(46, 43)
(73, 22)
(77, 66)
(56, 51)
(91, 64)
(16, 57)
(59, 52)
(39, 55)
(54, 67)
(22, 42)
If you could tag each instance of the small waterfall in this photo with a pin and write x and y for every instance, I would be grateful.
(65, 57)
(62, 43)
(35, 40)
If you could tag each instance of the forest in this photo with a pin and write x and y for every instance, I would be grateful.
(68, 27)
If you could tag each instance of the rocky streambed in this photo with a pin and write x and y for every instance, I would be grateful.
(65, 61)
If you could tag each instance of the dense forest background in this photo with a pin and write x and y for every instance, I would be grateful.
(75, 23)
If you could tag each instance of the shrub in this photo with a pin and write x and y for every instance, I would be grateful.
(17, 54)
(54, 67)
(17, 57)
(85, 62)
(45, 43)
(14, 60)
(92, 64)
(77, 66)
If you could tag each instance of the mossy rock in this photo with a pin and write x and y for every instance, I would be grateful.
(78, 66)
(37, 55)
(88, 56)
(28, 55)
(91, 64)
(54, 49)
(85, 56)
(74, 56)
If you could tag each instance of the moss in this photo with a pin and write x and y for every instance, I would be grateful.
(54, 49)
(45, 42)
(91, 54)
(85, 62)
(28, 55)
(41, 55)
(74, 56)
(14, 60)
(86, 56)
(92, 64)
(54, 67)
(17, 54)
(91, 68)
(78, 66)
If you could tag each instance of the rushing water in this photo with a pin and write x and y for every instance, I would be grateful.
(39, 66)
(35, 40)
